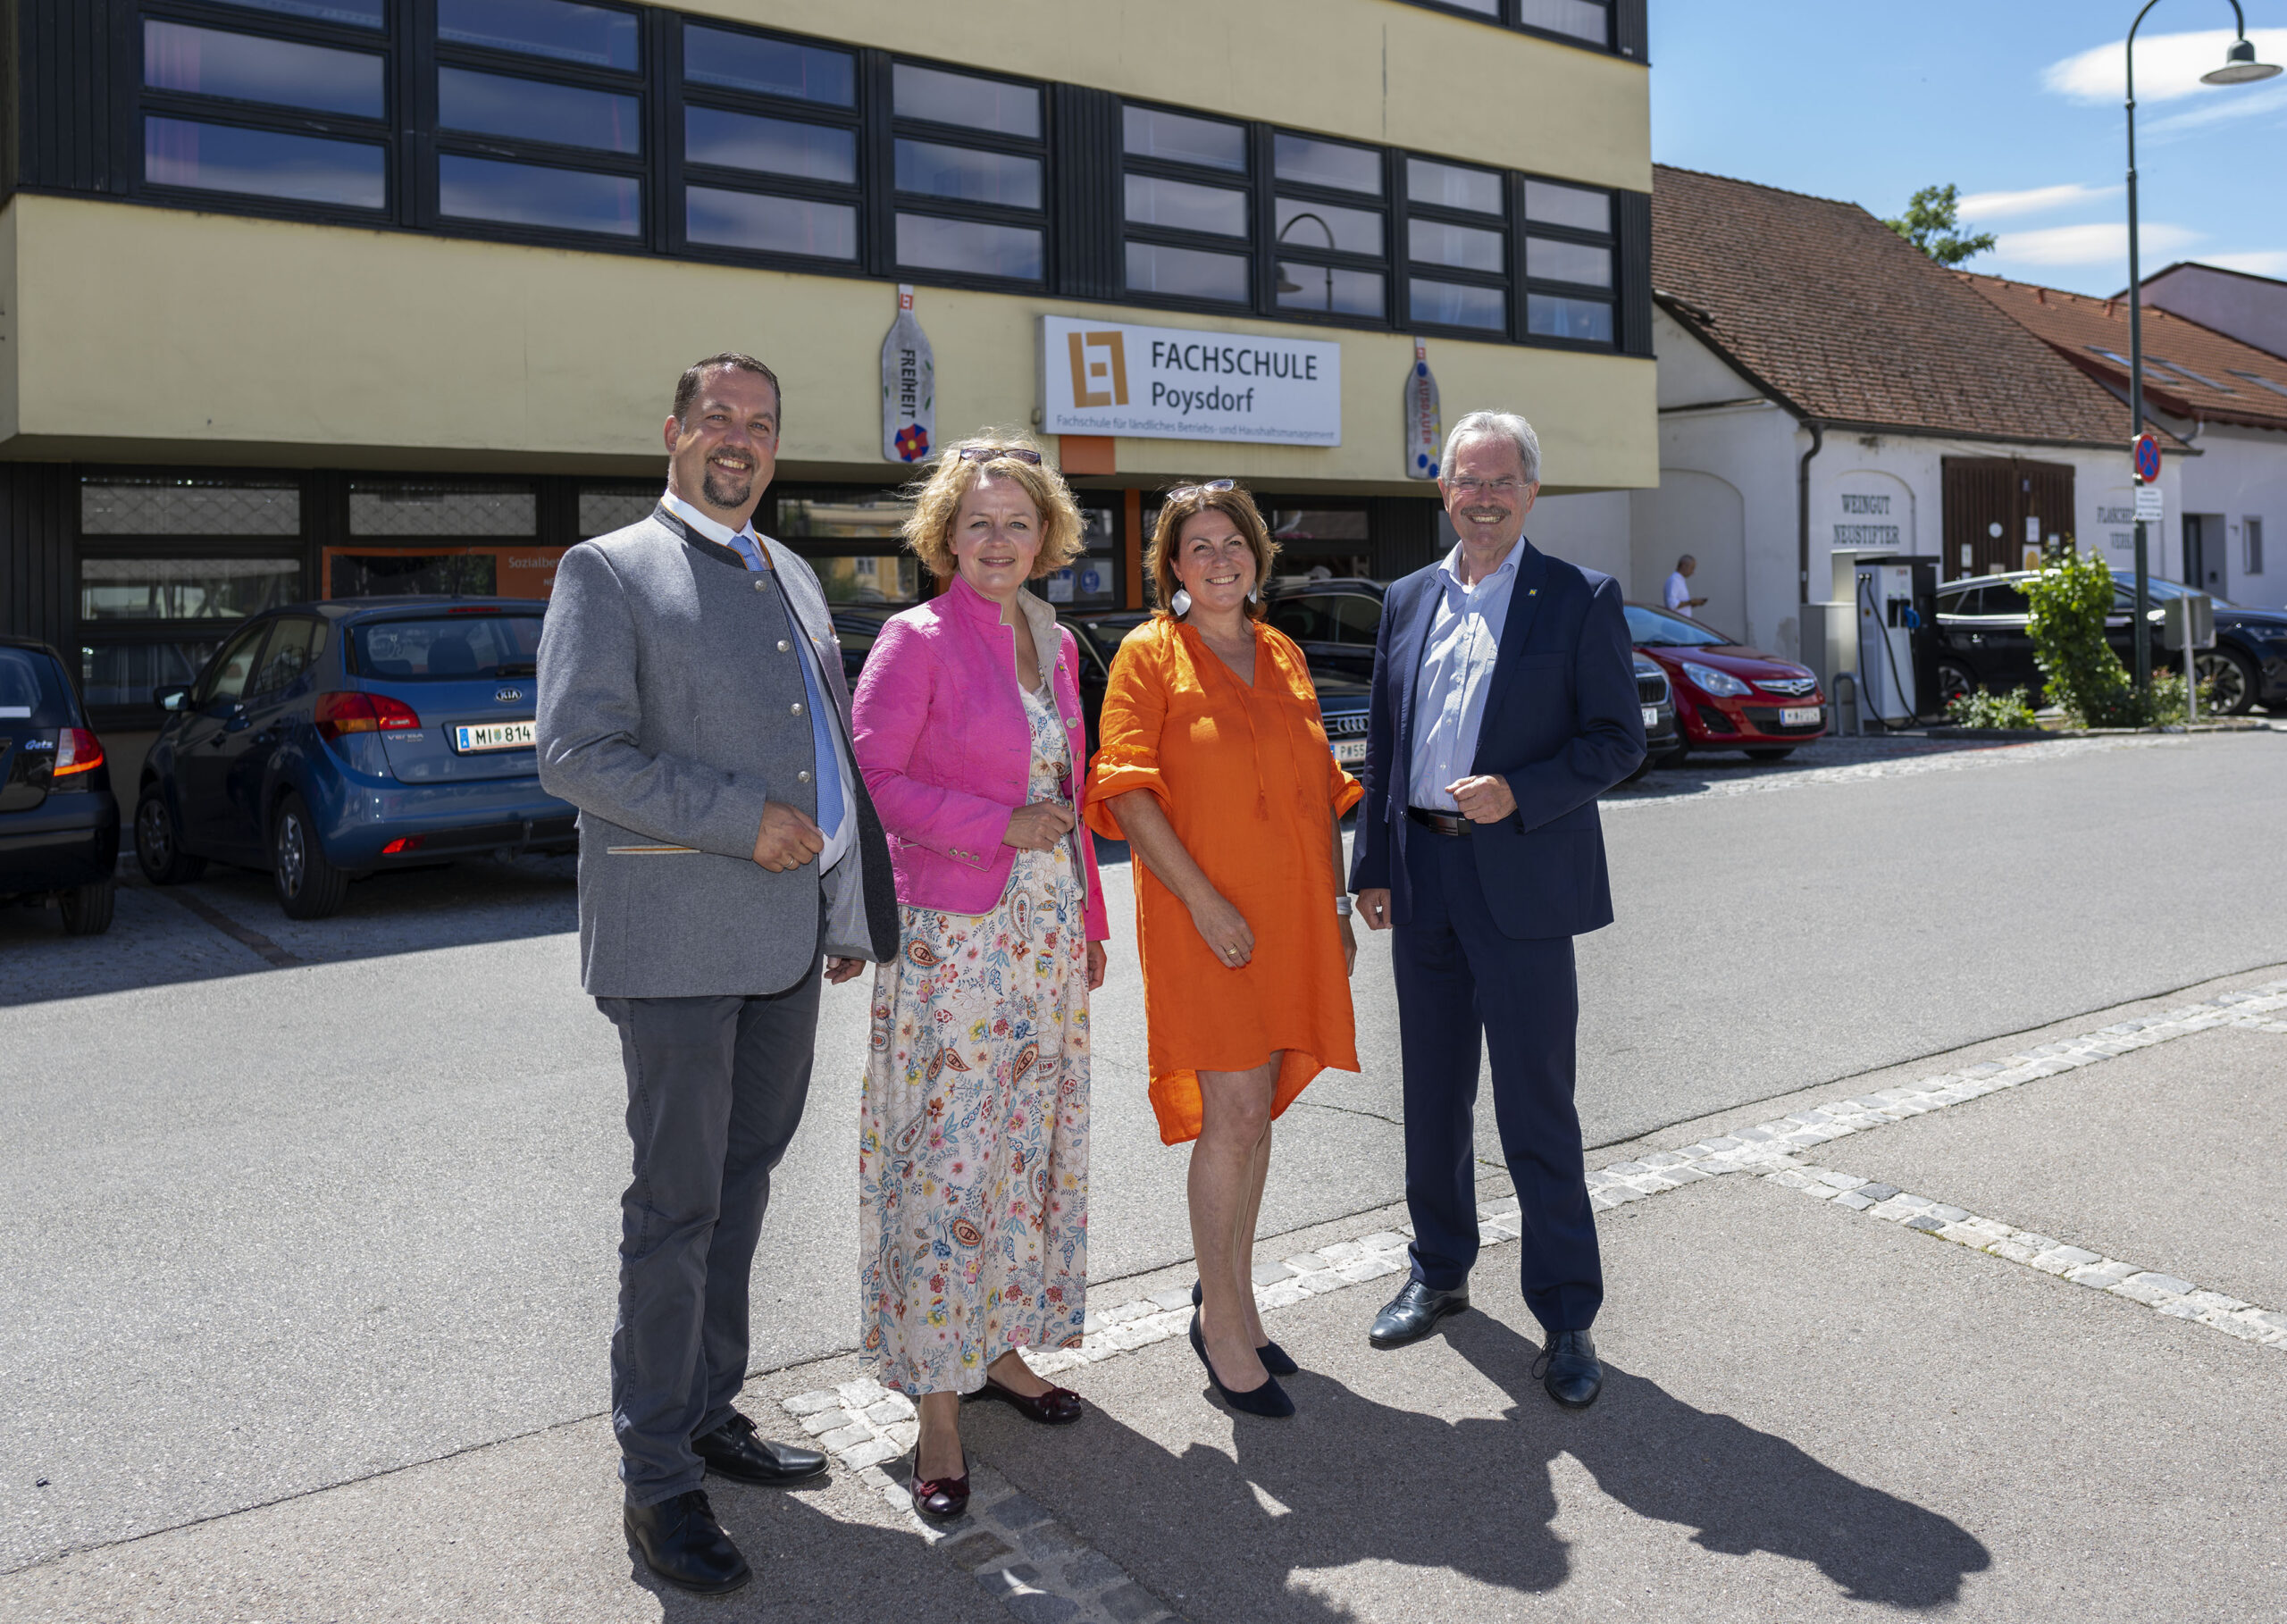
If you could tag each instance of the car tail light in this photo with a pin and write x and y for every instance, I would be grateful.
(402, 844)
(362, 712)
(77, 751)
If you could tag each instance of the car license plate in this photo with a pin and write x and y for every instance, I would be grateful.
(1651, 715)
(1349, 752)
(1801, 716)
(473, 737)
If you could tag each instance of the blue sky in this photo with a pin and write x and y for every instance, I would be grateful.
(2016, 102)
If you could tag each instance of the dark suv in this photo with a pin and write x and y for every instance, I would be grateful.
(59, 821)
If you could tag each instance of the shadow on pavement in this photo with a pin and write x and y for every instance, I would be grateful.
(1705, 770)
(1360, 1485)
(808, 1564)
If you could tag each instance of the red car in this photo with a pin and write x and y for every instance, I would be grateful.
(1729, 697)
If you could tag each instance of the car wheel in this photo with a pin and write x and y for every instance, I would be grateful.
(1954, 682)
(1770, 755)
(2233, 678)
(86, 908)
(158, 844)
(308, 886)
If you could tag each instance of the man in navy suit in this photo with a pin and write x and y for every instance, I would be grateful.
(1504, 703)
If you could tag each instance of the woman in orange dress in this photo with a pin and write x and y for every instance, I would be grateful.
(1215, 769)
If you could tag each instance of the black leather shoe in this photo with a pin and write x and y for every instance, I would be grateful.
(683, 1545)
(735, 1450)
(1275, 1359)
(1568, 1368)
(1414, 1313)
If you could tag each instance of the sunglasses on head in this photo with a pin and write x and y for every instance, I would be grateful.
(1181, 491)
(994, 453)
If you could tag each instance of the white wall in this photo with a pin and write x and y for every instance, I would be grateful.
(1589, 529)
(2242, 474)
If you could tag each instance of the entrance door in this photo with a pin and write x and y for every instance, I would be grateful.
(1997, 507)
(2204, 552)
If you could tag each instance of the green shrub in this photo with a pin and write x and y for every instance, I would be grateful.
(2070, 598)
(1984, 709)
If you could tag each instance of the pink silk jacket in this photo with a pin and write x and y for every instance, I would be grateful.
(941, 736)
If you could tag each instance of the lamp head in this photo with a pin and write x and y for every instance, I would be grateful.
(2239, 67)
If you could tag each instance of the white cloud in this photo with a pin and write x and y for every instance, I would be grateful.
(2167, 65)
(2268, 262)
(2039, 200)
(2100, 243)
(2243, 103)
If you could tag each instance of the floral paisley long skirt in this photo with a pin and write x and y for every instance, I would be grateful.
(973, 1146)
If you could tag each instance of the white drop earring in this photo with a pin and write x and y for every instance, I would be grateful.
(1254, 593)
(1179, 605)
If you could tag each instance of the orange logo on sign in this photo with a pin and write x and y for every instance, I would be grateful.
(1099, 357)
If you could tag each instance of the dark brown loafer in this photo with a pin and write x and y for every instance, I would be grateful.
(941, 1497)
(1057, 1407)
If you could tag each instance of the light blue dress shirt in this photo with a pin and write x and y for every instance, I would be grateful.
(1457, 660)
(836, 820)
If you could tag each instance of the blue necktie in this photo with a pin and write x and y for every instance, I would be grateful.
(822, 745)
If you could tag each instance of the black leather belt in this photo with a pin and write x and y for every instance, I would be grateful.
(1440, 823)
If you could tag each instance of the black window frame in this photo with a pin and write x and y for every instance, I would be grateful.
(1272, 247)
(1246, 182)
(678, 174)
(141, 101)
(1509, 280)
(428, 54)
(1612, 294)
(887, 203)
(1624, 24)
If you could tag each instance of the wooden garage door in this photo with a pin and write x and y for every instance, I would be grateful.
(1996, 506)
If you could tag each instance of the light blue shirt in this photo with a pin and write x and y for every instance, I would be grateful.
(837, 814)
(1457, 660)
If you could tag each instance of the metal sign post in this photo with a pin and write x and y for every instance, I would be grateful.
(2145, 457)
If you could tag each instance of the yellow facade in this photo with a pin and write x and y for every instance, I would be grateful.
(159, 334)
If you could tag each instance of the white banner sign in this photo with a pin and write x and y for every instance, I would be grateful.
(1180, 383)
(908, 388)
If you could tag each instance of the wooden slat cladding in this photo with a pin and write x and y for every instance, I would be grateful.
(1633, 213)
(1404, 533)
(1632, 30)
(1983, 493)
(36, 532)
(1084, 140)
(63, 136)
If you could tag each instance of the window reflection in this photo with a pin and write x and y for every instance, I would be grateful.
(528, 193)
(1550, 204)
(1322, 225)
(1582, 19)
(494, 104)
(1451, 187)
(352, 13)
(1192, 273)
(770, 224)
(1568, 262)
(1548, 316)
(1464, 246)
(1458, 304)
(121, 676)
(1329, 288)
(939, 171)
(598, 35)
(981, 249)
(264, 164)
(1181, 207)
(1149, 133)
(208, 62)
(185, 589)
(1350, 169)
(961, 98)
(770, 147)
(769, 67)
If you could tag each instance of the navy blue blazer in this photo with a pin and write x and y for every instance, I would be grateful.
(1561, 724)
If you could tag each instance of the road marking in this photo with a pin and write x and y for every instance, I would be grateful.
(240, 934)
(2163, 1294)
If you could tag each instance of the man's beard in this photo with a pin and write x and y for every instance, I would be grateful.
(715, 484)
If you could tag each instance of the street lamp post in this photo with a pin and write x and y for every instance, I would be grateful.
(2239, 67)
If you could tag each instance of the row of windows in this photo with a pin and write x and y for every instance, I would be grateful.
(1601, 23)
(568, 120)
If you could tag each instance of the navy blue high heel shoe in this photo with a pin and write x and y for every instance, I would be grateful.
(1275, 1359)
(1269, 1400)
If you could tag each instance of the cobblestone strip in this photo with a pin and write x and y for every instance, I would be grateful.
(2163, 1294)
(1020, 1554)
(1754, 1149)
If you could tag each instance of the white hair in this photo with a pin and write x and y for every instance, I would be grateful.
(1509, 426)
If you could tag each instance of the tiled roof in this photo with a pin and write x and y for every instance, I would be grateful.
(1826, 308)
(2190, 371)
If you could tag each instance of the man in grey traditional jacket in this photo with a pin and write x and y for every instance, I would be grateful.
(693, 706)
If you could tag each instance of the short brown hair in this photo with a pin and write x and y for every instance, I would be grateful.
(928, 530)
(1188, 502)
(695, 374)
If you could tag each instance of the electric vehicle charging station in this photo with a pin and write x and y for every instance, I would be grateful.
(1897, 602)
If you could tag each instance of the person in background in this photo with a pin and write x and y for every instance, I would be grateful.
(691, 706)
(1677, 596)
(1214, 767)
(1504, 703)
(973, 1142)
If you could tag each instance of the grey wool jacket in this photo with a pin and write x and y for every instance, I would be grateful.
(672, 706)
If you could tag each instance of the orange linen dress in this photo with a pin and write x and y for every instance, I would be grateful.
(1248, 780)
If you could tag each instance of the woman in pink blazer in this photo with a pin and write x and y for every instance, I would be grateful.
(973, 1149)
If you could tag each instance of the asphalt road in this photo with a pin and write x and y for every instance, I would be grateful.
(292, 1212)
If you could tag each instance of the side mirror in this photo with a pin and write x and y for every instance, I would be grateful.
(170, 697)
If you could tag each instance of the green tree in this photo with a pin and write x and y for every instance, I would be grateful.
(2070, 598)
(1930, 224)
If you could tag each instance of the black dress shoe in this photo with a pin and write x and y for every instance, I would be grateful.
(735, 1450)
(1414, 1313)
(683, 1545)
(941, 1497)
(1568, 1368)
(1057, 1407)
(1275, 1359)
(1269, 1400)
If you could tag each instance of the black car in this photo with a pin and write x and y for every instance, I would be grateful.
(1334, 621)
(855, 628)
(1663, 746)
(1099, 634)
(1984, 641)
(59, 821)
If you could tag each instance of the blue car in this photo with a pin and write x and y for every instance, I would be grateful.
(326, 742)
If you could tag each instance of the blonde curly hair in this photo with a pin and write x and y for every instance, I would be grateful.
(928, 530)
